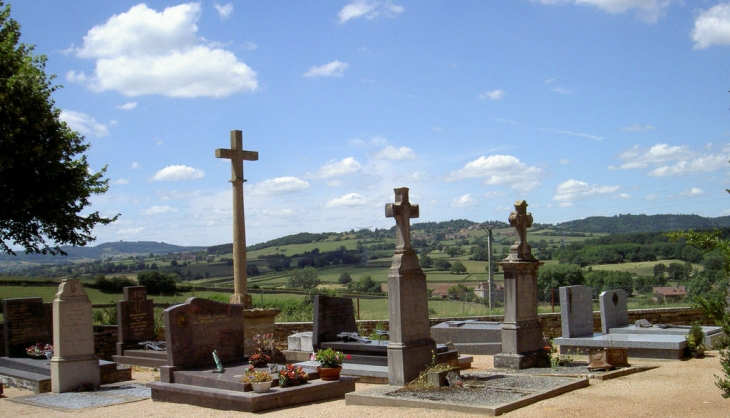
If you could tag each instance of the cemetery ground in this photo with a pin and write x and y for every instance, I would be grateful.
(671, 389)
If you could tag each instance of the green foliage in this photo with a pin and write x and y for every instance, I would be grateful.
(113, 285)
(462, 293)
(365, 284)
(426, 262)
(304, 278)
(104, 316)
(553, 276)
(601, 280)
(157, 283)
(442, 264)
(695, 337)
(457, 268)
(44, 184)
(344, 278)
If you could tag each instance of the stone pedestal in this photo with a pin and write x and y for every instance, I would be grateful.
(257, 321)
(74, 362)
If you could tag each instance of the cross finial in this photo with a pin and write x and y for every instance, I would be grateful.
(402, 210)
(237, 155)
(521, 220)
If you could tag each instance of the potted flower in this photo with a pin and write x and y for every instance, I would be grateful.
(264, 350)
(291, 375)
(39, 350)
(259, 359)
(696, 340)
(260, 380)
(330, 363)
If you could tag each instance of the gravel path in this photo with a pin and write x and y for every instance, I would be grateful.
(674, 389)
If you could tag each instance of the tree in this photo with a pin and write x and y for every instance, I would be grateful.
(553, 276)
(44, 183)
(457, 268)
(344, 278)
(442, 264)
(157, 283)
(365, 284)
(305, 278)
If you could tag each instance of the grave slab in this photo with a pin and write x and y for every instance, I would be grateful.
(470, 337)
(713, 334)
(638, 345)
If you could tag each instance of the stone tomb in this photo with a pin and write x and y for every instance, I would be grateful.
(198, 327)
(27, 321)
(32, 320)
(658, 341)
(470, 336)
(136, 324)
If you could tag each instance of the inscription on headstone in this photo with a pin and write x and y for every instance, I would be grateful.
(199, 326)
(332, 315)
(27, 321)
(135, 316)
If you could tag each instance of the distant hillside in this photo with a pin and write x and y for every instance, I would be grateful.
(628, 224)
(101, 251)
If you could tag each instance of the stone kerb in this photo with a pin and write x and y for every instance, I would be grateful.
(614, 310)
(199, 326)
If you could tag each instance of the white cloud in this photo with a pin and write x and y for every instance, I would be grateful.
(646, 10)
(368, 9)
(464, 201)
(637, 157)
(702, 164)
(350, 200)
(134, 166)
(694, 191)
(277, 186)
(622, 196)
(178, 172)
(500, 170)
(335, 68)
(127, 106)
(571, 133)
(396, 154)
(83, 123)
(130, 231)
(574, 190)
(665, 160)
(493, 95)
(279, 213)
(175, 194)
(142, 52)
(638, 128)
(120, 182)
(158, 210)
(493, 195)
(337, 168)
(712, 27)
(224, 10)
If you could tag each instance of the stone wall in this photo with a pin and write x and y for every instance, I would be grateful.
(105, 341)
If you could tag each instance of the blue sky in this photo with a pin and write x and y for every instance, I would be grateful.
(580, 107)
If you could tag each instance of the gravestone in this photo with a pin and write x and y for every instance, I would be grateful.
(27, 321)
(522, 337)
(614, 310)
(411, 347)
(135, 318)
(332, 315)
(237, 155)
(197, 327)
(74, 362)
(576, 311)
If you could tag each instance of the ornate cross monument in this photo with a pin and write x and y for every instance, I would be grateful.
(410, 347)
(237, 156)
(522, 338)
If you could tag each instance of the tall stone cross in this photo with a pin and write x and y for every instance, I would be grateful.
(402, 210)
(237, 156)
(521, 220)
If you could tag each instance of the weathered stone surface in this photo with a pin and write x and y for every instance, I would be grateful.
(614, 310)
(199, 326)
(576, 311)
(27, 321)
(135, 316)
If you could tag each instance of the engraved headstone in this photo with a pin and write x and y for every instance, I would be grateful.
(74, 362)
(194, 329)
(135, 317)
(332, 316)
(614, 310)
(576, 311)
(28, 321)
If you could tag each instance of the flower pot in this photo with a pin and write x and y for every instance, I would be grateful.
(261, 387)
(329, 373)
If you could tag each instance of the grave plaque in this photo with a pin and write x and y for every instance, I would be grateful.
(614, 310)
(332, 315)
(576, 311)
(135, 315)
(199, 326)
(27, 321)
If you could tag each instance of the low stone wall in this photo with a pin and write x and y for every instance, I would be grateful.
(105, 341)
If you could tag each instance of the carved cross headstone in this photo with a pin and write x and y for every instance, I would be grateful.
(402, 210)
(521, 220)
(237, 156)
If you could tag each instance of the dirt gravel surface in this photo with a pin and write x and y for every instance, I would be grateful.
(674, 389)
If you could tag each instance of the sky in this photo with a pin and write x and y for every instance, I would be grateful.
(579, 107)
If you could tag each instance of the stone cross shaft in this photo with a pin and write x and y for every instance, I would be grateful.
(402, 210)
(521, 220)
(237, 156)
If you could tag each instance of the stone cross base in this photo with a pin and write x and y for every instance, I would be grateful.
(242, 299)
(406, 362)
(67, 374)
